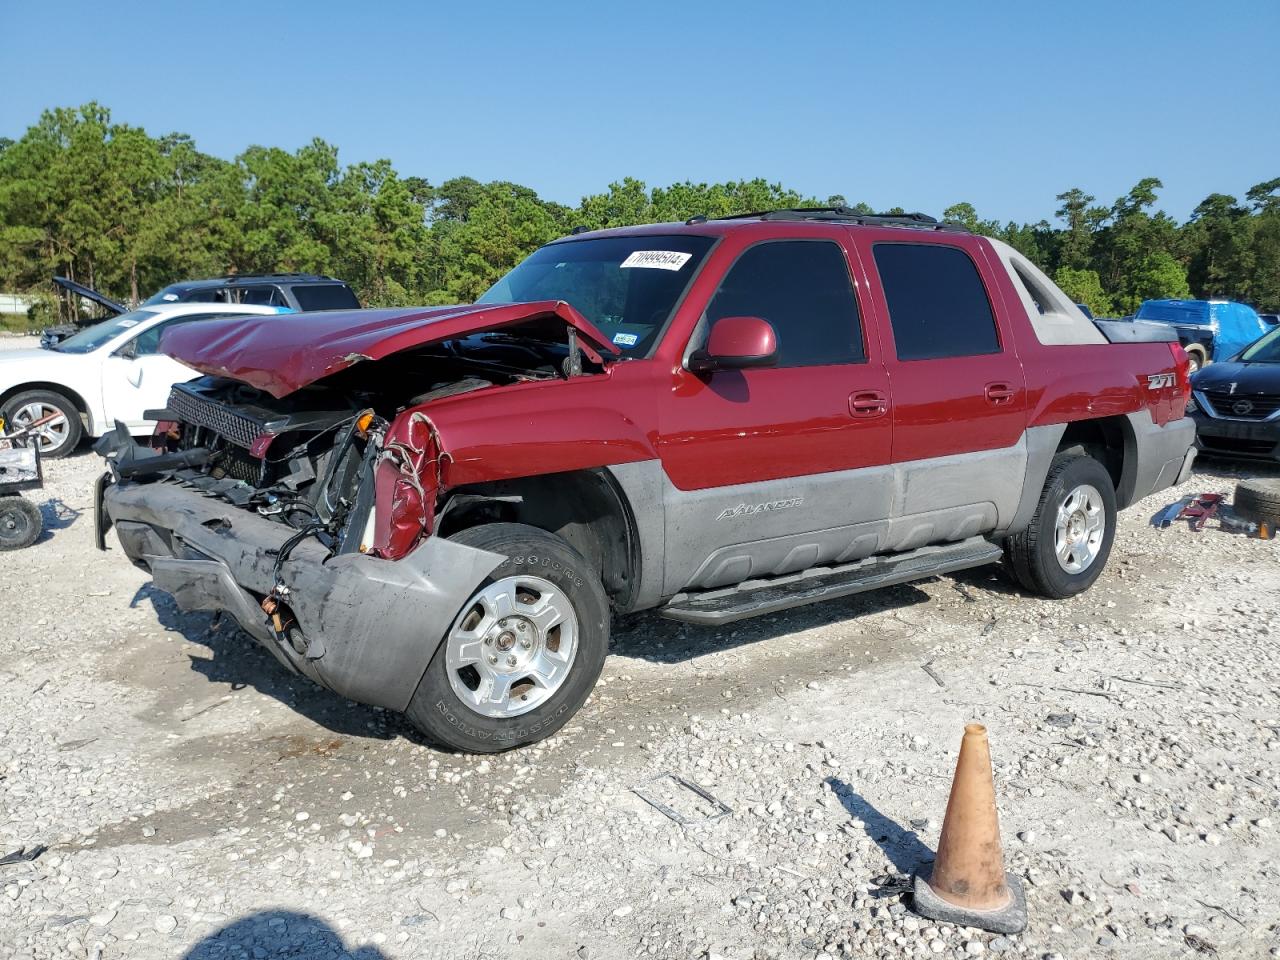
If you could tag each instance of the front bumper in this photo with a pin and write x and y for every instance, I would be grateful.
(1248, 439)
(365, 628)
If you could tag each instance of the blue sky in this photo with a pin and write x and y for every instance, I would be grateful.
(912, 104)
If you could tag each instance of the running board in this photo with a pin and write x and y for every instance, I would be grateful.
(756, 597)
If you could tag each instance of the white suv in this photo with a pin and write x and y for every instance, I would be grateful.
(108, 372)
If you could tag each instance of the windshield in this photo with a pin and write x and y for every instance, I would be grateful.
(626, 286)
(172, 294)
(93, 337)
(1265, 350)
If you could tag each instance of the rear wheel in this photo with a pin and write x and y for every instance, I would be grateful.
(525, 650)
(20, 523)
(1066, 545)
(60, 426)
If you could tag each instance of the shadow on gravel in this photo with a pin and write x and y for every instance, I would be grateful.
(647, 636)
(901, 846)
(239, 661)
(1209, 463)
(55, 514)
(276, 934)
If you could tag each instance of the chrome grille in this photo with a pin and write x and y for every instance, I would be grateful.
(214, 416)
(1241, 406)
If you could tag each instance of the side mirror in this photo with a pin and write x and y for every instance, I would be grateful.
(736, 343)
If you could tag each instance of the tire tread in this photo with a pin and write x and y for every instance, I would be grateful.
(1024, 551)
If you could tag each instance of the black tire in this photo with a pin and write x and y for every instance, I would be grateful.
(20, 523)
(1259, 500)
(48, 398)
(442, 715)
(1031, 554)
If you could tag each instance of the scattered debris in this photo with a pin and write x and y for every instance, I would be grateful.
(23, 855)
(651, 790)
(928, 668)
(1199, 944)
(206, 708)
(76, 744)
(1197, 510)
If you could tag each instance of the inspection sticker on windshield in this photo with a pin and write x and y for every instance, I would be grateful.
(625, 339)
(657, 259)
(128, 323)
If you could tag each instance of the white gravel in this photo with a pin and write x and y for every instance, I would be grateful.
(195, 798)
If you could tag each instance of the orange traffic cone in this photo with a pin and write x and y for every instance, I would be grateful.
(968, 885)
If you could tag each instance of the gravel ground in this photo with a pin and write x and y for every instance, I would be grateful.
(197, 801)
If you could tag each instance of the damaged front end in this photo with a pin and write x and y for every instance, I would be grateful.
(308, 515)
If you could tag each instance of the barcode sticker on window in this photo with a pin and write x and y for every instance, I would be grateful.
(656, 259)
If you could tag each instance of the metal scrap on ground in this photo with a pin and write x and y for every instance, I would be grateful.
(651, 791)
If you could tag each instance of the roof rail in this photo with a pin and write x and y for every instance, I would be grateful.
(919, 221)
(275, 276)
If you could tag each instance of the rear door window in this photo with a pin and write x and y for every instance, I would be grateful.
(329, 296)
(802, 287)
(938, 306)
(263, 297)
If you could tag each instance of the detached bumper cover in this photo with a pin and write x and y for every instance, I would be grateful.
(371, 626)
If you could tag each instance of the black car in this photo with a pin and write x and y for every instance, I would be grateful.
(295, 291)
(1236, 403)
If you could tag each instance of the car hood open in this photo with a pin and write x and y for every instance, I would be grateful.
(112, 308)
(281, 354)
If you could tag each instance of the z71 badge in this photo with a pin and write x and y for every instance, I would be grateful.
(1155, 381)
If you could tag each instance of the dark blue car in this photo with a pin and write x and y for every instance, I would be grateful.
(1236, 403)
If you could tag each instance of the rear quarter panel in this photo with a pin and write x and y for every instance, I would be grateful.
(1070, 382)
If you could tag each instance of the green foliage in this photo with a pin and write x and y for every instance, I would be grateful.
(1084, 286)
(113, 207)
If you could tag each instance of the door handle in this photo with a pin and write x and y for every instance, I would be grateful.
(868, 403)
(1000, 393)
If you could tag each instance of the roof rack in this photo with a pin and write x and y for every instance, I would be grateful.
(918, 221)
(275, 276)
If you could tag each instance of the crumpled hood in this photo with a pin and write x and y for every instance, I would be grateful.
(281, 354)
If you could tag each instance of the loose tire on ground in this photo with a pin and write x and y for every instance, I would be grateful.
(63, 437)
(20, 522)
(540, 569)
(1258, 500)
(1033, 555)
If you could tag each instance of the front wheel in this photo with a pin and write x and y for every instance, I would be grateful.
(525, 650)
(59, 427)
(1066, 545)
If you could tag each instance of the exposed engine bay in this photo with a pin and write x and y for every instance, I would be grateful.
(308, 460)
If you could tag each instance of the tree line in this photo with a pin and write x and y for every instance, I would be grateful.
(110, 206)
